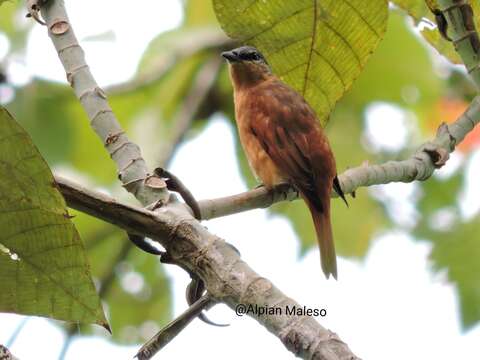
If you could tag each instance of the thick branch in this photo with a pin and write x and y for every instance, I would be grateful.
(420, 166)
(132, 169)
(227, 277)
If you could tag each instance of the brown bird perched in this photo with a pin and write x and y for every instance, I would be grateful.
(284, 142)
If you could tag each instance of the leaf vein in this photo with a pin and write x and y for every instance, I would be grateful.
(335, 70)
(312, 44)
(278, 22)
(359, 14)
(345, 41)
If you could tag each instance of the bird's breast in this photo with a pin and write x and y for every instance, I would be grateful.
(260, 162)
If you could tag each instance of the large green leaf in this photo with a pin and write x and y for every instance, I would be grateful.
(318, 47)
(43, 267)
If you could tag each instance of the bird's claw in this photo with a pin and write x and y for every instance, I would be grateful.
(140, 242)
(194, 292)
(176, 185)
(195, 289)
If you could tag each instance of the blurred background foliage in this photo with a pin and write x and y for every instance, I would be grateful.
(405, 75)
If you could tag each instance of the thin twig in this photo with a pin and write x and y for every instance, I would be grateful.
(175, 184)
(169, 332)
(68, 341)
(17, 331)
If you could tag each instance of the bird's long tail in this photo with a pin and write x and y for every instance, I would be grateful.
(323, 228)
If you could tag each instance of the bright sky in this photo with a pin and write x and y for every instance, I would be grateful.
(389, 305)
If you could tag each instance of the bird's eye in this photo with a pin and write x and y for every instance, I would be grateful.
(253, 56)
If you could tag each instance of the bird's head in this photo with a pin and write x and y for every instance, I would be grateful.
(247, 66)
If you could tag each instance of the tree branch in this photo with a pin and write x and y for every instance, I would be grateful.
(227, 277)
(132, 169)
(162, 338)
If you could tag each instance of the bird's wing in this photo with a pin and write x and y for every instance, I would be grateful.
(287, 130)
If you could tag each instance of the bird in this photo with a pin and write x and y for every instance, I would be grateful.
(284, 142)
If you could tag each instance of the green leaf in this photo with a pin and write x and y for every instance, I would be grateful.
(43, 266)
(319, 48)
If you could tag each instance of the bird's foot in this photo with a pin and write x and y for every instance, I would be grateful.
(175, 184)
(259, 186)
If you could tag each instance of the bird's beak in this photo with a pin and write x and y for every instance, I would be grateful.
(231, 56)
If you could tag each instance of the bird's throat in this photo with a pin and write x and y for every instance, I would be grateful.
(247, 75)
